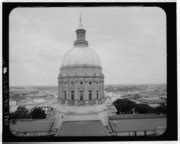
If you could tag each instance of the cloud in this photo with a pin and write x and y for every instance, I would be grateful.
(33, 55)
(131, 43)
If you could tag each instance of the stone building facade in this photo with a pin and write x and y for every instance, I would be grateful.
(81, 80)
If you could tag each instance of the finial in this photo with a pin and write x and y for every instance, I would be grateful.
(80, 21)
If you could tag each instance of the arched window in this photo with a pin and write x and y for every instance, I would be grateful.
(81, 95)
(90, 95)
(97, 94)
(90, 82)
(65, 95)
(72, 95)
(81, 82)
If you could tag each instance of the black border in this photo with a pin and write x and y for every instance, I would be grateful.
(170, 10)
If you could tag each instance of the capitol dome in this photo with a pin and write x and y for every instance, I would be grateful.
(81, 80)
(81, 56)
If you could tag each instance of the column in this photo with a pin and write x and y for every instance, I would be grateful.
(95, 88)
(66, 91)
(76, 92)
(60, 96)
(61, 89)
(86, 91)
(61, 93)
(85, 81)
(99, 82)
(103, 88)
(94, 95)
(58, 89)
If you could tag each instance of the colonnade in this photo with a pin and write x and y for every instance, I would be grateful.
(66, 85)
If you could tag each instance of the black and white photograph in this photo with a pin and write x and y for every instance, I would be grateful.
(81, 71)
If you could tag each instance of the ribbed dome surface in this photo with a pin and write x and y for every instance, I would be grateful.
(78, 56)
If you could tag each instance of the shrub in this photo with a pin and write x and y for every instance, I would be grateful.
(124, 106)
(23, 113)
(38, 113)
(162, 109)
(143, 109)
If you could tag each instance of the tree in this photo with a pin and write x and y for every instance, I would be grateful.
(12, 115)
(124, 106)
(162, 109)
(38, 113)
(20, 113)
(143, 109)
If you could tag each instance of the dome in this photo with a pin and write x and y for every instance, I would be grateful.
(81, 56)
(81, 80)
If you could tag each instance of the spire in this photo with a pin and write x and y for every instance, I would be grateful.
(80, 21)
(80, 35)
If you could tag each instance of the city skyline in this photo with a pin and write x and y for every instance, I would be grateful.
(130, 42)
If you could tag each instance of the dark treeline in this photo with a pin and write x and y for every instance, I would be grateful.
(23, 113)
(125, 106)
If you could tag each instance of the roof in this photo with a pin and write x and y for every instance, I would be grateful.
(78, 56)
(125, 124)
(32, 126)
(82, 128)
(152, 101)
(136, 116)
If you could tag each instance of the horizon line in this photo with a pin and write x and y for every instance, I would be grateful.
(104, 84)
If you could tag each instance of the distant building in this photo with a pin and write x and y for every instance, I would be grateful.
(23, 91)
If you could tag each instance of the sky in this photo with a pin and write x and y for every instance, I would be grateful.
(130, 42)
